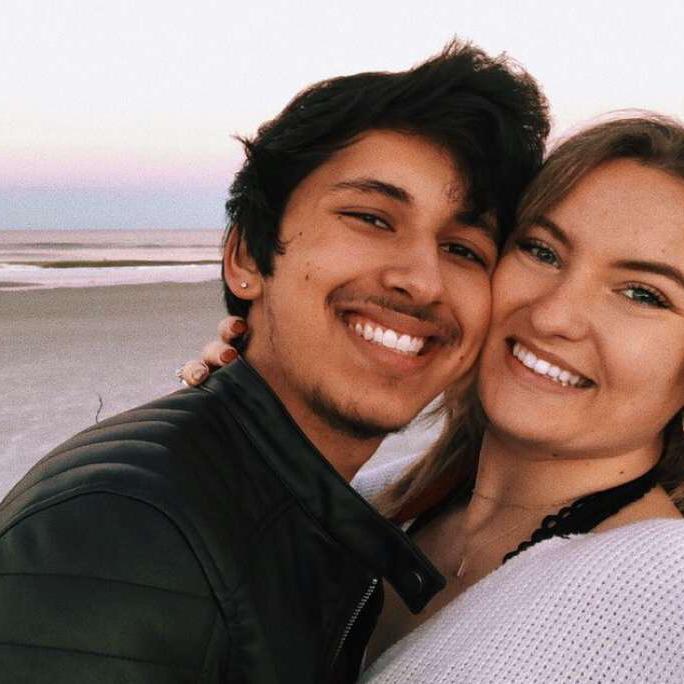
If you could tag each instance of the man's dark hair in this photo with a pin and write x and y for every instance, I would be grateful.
(488, 113)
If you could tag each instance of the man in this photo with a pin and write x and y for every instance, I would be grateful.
(211, 536)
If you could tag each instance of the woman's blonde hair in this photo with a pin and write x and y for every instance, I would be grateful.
(650, 139)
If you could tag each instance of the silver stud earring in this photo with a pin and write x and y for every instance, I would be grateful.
(244, 285)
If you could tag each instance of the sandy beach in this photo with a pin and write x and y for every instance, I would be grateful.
(64, 349)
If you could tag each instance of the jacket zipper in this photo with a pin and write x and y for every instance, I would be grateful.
(354, 616)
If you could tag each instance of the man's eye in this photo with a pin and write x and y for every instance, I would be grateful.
(646, 296)
(461, 250)
(539, 251)
(370, 219)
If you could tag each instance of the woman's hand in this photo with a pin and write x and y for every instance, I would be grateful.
(216, 354)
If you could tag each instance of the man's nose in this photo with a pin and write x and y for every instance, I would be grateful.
(414, 270)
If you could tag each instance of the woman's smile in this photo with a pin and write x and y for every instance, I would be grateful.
(546, 364)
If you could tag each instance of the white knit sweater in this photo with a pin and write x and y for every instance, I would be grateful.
(605, 607)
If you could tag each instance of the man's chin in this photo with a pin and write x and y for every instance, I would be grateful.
(349, 420)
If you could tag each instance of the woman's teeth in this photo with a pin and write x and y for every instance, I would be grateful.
(405, 344)
(542, 367)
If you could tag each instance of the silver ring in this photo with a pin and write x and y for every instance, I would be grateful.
(179, 374)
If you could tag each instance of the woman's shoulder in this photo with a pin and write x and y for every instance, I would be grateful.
(649, 547)
(661, 536)
(645, 553)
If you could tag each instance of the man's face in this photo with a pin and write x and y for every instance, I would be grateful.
(382, 297)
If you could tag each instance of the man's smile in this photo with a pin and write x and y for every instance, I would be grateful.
(371, 331)
(404, 340)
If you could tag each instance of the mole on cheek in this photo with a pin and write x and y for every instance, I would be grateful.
(307, 276)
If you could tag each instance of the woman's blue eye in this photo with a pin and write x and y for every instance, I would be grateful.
(538, 251)
(646, 297)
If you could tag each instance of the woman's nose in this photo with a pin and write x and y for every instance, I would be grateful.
(562, 310)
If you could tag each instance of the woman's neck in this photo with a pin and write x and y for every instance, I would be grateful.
(529, 477)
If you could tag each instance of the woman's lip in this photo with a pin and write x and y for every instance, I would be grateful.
(546, 356)
(529, 377)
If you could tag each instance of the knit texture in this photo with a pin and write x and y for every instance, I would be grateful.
(605, 607)
(398, 452)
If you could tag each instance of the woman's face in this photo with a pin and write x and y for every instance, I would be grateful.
(586, 351)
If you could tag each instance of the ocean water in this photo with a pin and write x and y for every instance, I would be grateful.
(32, 259)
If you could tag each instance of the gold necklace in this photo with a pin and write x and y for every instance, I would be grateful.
(524, 507)
(467, 553)
(508, 504)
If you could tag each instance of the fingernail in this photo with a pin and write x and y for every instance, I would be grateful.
(238, 327)
(228, 355)
(199, 373)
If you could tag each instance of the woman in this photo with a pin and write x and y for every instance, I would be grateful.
(561, 537)
(582, 383)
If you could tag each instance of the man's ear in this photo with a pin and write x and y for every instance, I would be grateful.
(240, 271)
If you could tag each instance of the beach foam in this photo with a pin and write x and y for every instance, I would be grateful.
(51, 259)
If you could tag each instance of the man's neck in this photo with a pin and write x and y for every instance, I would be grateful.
(345, 452)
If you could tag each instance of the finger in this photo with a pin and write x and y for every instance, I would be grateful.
(194, 373)
(229, 354)
(231, 327)
(217, 354)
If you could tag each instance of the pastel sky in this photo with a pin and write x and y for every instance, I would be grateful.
(119, 114)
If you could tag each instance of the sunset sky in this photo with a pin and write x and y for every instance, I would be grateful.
(120, 114)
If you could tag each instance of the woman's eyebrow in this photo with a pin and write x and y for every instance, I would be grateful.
(553, 228)
(656, 267)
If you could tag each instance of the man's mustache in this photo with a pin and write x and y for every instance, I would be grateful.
(450, 331)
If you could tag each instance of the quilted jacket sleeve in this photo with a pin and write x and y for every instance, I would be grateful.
(104, 588)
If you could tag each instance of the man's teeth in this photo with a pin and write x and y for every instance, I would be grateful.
(542, 367)
(388, 338)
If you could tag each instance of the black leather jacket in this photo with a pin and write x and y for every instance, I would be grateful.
(199, 538)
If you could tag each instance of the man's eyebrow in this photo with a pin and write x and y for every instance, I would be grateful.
(553, 228)
(656, 267)
(488, 226)
(370, 185)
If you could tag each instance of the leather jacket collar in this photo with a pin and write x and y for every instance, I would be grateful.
(377, 544)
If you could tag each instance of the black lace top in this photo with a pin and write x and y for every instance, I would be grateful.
(584, 514)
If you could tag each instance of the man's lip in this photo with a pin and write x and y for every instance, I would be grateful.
(400, 322)
(547, 356)
(388, 361)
